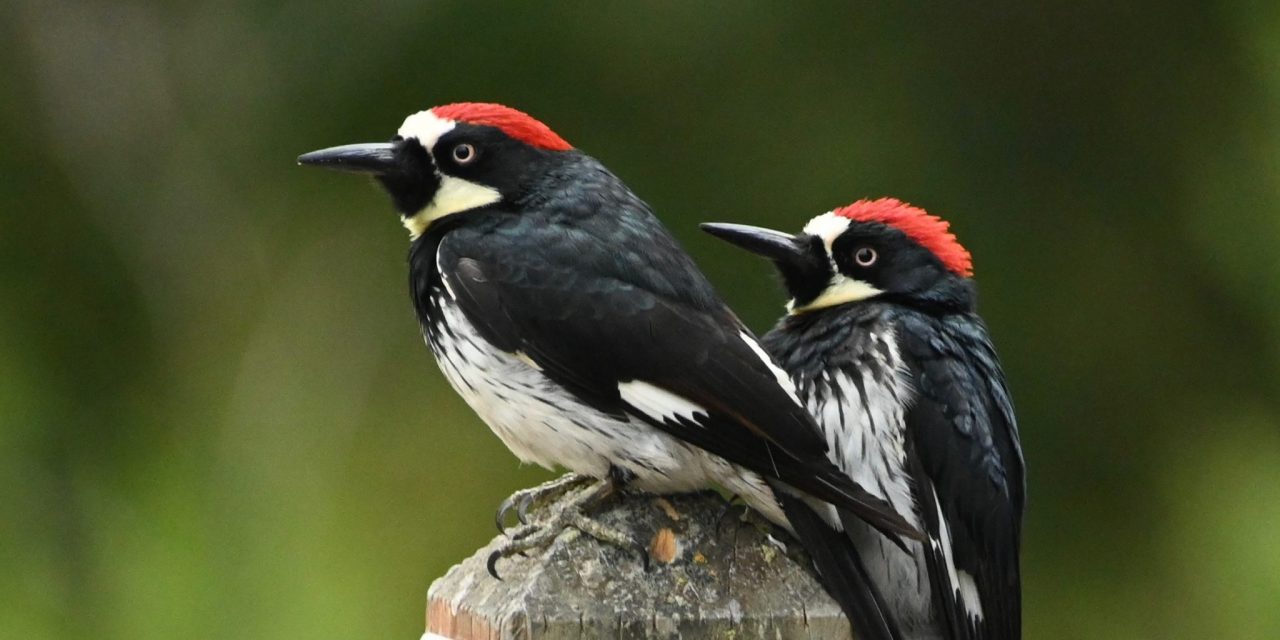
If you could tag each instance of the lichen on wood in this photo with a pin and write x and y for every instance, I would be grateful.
(712, 576)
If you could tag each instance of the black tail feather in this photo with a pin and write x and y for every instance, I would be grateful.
(841, 571)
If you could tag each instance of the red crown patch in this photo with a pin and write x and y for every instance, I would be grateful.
(517, 124)
(929, 231)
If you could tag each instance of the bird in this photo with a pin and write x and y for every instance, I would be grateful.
(885, 346)
(573, 323)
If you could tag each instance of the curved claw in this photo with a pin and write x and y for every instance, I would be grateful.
(492, 565)
(503, 510)
(522, 510)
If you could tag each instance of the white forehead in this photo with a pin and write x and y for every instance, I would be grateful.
(425, 127)
(827, 226)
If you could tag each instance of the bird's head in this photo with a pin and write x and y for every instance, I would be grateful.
(884, 249)
(451, 159)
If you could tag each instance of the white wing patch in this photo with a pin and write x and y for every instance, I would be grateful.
(961, 581)
(658, 403)
(969, 594)
(784, 380)
(543, 423)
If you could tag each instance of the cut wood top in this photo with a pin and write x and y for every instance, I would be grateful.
(736, 582)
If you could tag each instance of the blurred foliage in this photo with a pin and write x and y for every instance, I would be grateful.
(218, 419)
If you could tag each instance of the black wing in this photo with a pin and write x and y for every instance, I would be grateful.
(595, 309)
(841, 571)
(970, 474)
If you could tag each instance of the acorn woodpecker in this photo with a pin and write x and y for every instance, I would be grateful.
(888, 353)
(571, 321)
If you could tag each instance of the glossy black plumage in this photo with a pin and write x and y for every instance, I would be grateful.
(842, 571)
(887, 351)
(965, 436)
(962, 438)
(589, 285)
(564, 313)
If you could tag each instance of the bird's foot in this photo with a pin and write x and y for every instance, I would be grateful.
(729, 507)
(545, 493)
(570, 513)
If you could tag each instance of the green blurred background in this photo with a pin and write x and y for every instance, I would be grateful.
(217, 417)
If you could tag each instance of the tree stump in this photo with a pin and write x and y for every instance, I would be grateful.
(707, 579)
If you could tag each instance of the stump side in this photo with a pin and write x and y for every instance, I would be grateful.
(727, 581)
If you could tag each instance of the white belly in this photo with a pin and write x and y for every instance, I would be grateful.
(866, 431)
(865, 428)
(543, 424)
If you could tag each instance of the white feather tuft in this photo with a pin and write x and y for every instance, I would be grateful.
(425, 127)
(969, 594)
(658, 403)
(827, 226)
(784, 380)
(961, 582)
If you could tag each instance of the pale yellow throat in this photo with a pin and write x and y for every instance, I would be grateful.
(842, 290)
(454, 196)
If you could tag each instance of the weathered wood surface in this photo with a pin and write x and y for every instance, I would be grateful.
(728, 581)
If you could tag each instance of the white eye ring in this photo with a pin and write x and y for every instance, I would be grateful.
(464, 153)
(865, 256)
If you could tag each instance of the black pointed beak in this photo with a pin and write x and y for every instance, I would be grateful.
(780, 247)
(377, 158)
(801, 260)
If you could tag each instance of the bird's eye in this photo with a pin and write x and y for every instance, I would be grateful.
(865, 256)
(464, 153)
